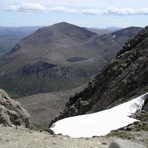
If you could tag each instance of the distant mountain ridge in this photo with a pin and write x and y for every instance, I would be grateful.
(113, 28)
(107, 30)
(59, 57)
(18, 30)
(99, 31)
(10, 36)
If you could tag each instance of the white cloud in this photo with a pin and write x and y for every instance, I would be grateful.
(125, 11)
(116, 11)
(38, 8)
(91, 12)
(26, 7)
(62, 9)
(143, 11)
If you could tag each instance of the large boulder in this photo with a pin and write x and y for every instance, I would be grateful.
(119, 143)
(11, 112)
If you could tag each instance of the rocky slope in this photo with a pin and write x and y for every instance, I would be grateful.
(58, 57)
(122, 79)
(22, 137)
(45, 106)
(12, 113)
(13, 133)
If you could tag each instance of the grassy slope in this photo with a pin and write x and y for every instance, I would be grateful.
(45, 106)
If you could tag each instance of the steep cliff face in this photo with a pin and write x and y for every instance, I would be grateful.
(123, 78)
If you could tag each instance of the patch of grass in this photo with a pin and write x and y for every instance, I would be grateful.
(39, 127)
(143, 117)
(121, 134)
(18, 86)
(115, 67)
(142, 128)
(14, 95)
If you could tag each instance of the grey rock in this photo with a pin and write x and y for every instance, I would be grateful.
(119, 143)
(11, 112)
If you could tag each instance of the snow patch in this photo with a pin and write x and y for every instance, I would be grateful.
(100, 123)
(114, 36)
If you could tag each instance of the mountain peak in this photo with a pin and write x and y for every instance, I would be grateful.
(69, 29)
(113, 28)
(63, 24)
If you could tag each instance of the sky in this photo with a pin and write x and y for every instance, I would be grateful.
(84, 13)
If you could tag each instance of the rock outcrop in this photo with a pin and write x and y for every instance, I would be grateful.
(122, 79)
(11, 112)
(119, 143)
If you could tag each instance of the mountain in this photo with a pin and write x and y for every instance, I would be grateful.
(58, 57)
(10, 36)
(99, 31)
(121, 80)
(113, 28)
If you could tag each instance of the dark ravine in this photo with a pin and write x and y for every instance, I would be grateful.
(121, 80)
(59, 57)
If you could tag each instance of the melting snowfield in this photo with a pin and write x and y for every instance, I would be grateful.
(100, 123)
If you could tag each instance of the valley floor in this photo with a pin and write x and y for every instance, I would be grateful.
(21, 137)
